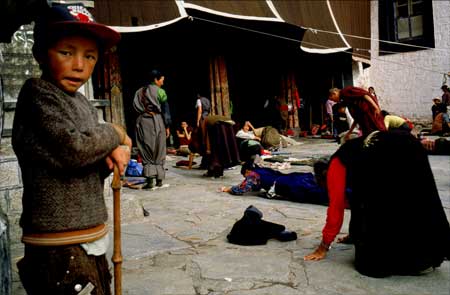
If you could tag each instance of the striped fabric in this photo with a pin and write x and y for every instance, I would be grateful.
(66, 238)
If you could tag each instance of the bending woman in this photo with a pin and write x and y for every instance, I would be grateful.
(387, 209)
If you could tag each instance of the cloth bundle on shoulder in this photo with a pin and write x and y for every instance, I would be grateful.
(251, 230)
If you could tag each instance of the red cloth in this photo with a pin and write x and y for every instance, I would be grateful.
(284, 107)
(336, 180)
(361, 110)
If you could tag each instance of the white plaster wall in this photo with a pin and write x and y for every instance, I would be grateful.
(406, 82)
(361, 77)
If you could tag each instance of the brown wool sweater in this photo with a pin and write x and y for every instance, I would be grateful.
(61, 149)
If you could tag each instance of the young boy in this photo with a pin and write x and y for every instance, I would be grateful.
(64, 155)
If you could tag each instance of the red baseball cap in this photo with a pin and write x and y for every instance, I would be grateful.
(70, 17)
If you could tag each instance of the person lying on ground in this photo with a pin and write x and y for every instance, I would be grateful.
(249, 143)
(248, 132)
(295, 186)
(393, 122)
(268, 136)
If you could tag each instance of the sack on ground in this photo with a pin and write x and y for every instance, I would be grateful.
(134, 168)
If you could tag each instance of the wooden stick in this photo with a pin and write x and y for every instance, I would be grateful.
(117, 254)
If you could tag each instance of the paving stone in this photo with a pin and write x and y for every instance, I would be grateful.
(181, 247)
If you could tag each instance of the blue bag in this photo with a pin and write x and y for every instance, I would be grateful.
(134, 168)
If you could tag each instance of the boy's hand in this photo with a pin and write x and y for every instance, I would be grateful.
(119, 156)
(128, 142)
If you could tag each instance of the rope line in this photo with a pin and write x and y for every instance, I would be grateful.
(377, 40)
(318, 45)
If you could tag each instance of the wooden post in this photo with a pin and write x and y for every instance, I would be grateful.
(117, 254)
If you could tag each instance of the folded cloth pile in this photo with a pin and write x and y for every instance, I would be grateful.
(252, 230)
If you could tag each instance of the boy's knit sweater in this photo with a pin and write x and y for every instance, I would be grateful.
(61, 148)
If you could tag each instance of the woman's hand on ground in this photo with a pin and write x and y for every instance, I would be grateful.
(225, 189)
(319, 254)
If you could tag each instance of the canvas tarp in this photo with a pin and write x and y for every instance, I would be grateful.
(330, 24)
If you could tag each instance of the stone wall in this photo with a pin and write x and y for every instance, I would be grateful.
(16, 66)
(407, 82)
(11, 191)
(5, 256)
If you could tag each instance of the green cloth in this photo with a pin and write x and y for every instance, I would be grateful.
(162, 95)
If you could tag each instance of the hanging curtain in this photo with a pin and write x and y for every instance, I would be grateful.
(291, 97)
(220, 96)
(109, 87)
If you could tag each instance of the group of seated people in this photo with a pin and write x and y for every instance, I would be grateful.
(253, 141)
(250, 140)
(441, 121)
(436, 140)
(216, 141)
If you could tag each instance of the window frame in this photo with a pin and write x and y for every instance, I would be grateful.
(388, 27)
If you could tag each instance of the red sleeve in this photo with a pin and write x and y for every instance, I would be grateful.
(336, 180)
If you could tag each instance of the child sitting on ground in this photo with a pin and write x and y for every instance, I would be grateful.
(184, 134)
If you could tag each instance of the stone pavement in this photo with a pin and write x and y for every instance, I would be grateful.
(180, 248)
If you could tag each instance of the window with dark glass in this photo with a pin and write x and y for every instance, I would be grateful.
(405, 22)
